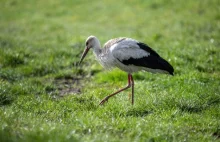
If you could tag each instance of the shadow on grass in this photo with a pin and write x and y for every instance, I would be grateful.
(138, 112)
(217, 133)
(85, 103)
(196, 108)
(5, 100)
(10, 75)
(6, 136)
(7, 96)
(191, 108)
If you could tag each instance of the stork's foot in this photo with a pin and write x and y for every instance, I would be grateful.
(104, 100)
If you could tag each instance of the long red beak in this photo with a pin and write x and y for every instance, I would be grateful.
(84, 54)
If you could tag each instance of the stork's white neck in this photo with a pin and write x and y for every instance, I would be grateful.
(97, 50)
(96, 47)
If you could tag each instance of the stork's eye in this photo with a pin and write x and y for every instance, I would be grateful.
(87, 43)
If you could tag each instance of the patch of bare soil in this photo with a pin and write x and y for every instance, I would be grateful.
(68, 85)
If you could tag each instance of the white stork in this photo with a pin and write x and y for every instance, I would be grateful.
(128, 55)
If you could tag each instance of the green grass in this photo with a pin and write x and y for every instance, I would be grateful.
(44, 96)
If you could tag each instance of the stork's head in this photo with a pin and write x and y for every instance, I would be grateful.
(91, 42)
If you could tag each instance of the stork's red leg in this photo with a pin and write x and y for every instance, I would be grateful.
(132, 90)
(130, 83)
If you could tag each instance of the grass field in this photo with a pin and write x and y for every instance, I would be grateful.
(44, 96)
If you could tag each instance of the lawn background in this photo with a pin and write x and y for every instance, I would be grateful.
(44, 96)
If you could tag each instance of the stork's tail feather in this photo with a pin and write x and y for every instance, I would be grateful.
(166, 66)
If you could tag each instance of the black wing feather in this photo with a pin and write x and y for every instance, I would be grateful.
(153, 61)
(146, 48)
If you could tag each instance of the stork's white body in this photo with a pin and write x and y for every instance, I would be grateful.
(119, 49)
(128, 55)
